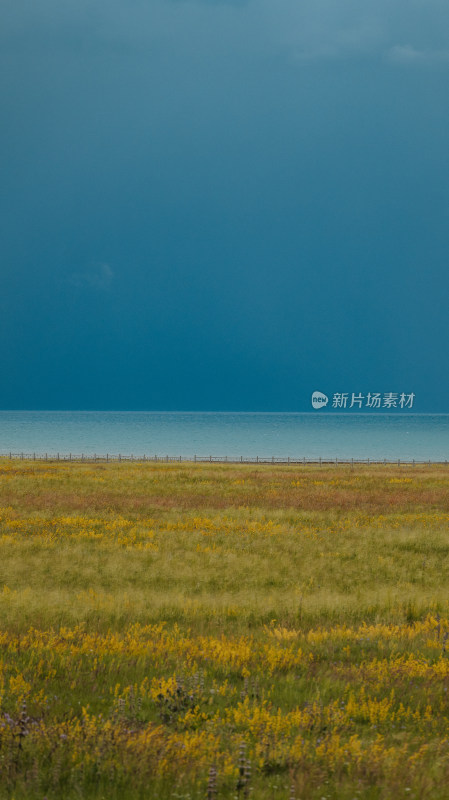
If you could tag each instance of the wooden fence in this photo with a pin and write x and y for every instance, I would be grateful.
(95, 457)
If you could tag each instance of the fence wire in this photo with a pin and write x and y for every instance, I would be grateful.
(199, 459)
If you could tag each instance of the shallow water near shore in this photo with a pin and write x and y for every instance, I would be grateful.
(232, 435)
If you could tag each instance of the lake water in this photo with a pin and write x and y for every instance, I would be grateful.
(309, 435)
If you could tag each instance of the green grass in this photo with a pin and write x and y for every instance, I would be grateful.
(295, 618)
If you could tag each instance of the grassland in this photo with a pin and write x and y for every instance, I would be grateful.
(217, 631)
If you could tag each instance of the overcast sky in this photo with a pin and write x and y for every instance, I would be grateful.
(223, 205)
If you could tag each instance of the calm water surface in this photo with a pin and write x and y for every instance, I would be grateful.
(310, 435)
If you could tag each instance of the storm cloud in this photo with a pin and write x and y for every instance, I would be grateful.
(224, 203)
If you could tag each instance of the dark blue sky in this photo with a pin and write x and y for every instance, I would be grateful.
(223, 206)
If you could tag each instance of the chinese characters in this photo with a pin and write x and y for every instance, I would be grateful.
(373, 400)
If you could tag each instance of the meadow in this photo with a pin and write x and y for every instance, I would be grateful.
(212, 631)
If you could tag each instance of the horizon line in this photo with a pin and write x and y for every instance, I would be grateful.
(316, 412)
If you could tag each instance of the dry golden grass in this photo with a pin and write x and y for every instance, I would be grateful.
(286, 628)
